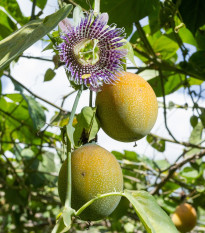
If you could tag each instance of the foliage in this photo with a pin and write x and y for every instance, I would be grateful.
(31, 153)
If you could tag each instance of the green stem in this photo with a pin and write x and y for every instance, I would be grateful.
(69, 184)
(91, 99)
(75, 105)
(97, 7)
(82, 208)
(33, 10)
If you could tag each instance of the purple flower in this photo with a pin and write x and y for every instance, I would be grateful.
(91, 51)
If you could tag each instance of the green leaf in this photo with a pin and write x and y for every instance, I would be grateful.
(154, 219)
(121, 209)
(67, 214)
(193, 121)
(7, 26)
(196, 134)
(49, 75)
(21, 196)
(123, 12)
(197, 61)
(190, 67)
(87, 126)
(131, 155)
(194, 81)
(35, 109)
(118, 155)
(19, 126)
(149, 74)
(61, 119)
(162, 164)
(130, 52)
(27, 154)
(164, 47)
(187, 36)
(49, 46)
(36, 112)
(170, 187)
(200, 38)
(40, 3)
(70, 133)
(12, 7)
(195, 138)
(60, 226)
(48, 164)
(166, 14)
(14, 45)
(0, 87)
(166, 204)
(171, 83)
(154, 19)
(190, 173)
(202, 116)
(156, 143)
(192, 13)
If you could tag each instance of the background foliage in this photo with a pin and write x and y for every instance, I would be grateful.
(171, 52)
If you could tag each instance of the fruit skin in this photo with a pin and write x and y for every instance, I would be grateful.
(184, 217)
(94, 171)
(127, 110)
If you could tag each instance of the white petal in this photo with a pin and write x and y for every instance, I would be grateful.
(104, 17)
(65, 25)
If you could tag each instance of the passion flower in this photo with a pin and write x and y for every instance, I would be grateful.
(91, 50)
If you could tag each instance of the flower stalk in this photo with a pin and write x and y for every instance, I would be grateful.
(69, 174)
(97, 7)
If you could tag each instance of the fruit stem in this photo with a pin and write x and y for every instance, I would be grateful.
(97, 7)
(82, 208)
(69, 184)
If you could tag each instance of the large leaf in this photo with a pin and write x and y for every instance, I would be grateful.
(171, 83)
(36, 112)
(35, 109)
(192, 13)
(154, 219)
(189, 67)
(165, 47)
(197, 61)
(187, 36)
(195, 66)
(16, 123)
(200, 38)
(123, 12)
(15, 44)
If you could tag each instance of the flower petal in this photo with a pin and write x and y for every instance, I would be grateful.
(65, 25)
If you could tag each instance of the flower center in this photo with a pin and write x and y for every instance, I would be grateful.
(87, 52)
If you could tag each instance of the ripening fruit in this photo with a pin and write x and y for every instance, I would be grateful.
(184, 217)
(94, 171)
(127, 110)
